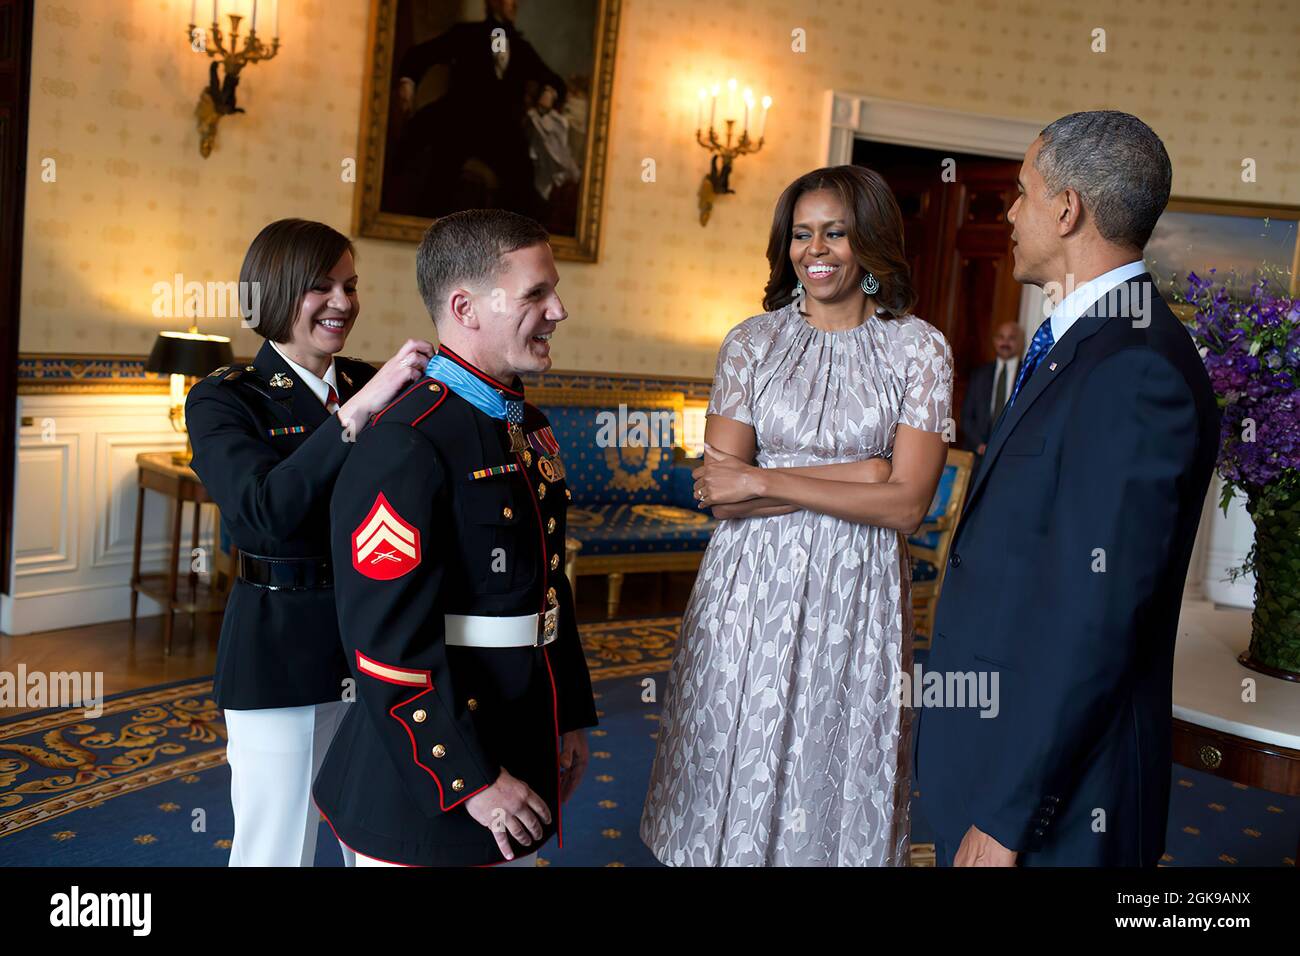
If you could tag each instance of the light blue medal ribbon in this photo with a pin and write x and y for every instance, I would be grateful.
(481, 395)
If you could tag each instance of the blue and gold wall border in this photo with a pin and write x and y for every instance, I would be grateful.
(43, 373)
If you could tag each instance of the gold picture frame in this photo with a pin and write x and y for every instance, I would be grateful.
(371, 220)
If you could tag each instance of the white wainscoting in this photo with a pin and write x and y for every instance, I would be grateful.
(75, 506)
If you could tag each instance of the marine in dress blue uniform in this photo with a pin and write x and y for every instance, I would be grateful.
(448, 534)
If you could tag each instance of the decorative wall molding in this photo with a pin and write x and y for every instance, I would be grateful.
(850, 116)
(75, 508)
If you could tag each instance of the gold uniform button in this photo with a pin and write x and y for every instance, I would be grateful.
(250, 368)
(507, 512)
(551, 598)
(568, 494)
(439, 750)
(528, 458)
(435, 387)
(555, 561)
(458, 785)
(472, 704)
(550, 526)
(541, 489)
(419, 716)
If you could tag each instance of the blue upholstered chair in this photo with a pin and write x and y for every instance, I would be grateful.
(632, 507)
(929, 545)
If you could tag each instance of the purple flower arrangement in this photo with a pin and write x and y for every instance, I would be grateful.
(1251, 348)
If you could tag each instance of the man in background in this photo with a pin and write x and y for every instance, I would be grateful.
(990, 387)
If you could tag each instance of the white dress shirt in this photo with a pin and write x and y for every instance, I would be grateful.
(1069, 309)
(320, 387)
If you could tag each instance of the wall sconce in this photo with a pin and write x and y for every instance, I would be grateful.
(218, 99)
(717, 181)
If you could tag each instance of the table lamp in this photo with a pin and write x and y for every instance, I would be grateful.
(186, 355)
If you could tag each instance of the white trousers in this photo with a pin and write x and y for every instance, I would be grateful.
(529, 860)
(274, 755)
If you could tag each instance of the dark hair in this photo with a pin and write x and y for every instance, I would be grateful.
(875, 230)
(466, 247)
(1117, 165)
(286, 260)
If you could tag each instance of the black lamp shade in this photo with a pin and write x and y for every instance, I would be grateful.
(188, 353)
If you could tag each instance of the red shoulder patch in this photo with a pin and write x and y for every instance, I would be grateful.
(383, 545)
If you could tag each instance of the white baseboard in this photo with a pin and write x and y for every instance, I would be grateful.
(29, 614)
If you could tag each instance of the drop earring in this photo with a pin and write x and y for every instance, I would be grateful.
(798, 288)
(870, 284)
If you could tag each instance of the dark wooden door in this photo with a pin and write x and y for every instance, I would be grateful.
(15, 83)
(958, 243)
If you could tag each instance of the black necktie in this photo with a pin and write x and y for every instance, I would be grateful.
(1000, 391)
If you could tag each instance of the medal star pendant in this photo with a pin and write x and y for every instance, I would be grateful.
(517, 442)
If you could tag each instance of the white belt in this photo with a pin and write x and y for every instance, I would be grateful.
(525, 630)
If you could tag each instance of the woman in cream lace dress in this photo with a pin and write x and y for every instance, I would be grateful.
(783, 741)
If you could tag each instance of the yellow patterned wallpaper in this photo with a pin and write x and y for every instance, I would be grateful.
(132, 203)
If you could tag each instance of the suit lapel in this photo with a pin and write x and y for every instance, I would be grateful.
(289, 391)
(1052, 367)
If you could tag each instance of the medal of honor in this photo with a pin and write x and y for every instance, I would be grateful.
(517, 442)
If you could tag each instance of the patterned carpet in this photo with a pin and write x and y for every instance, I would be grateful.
(146, 784)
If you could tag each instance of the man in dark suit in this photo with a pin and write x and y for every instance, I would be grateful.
(1066, 574)
(469, 148)
(990, 387)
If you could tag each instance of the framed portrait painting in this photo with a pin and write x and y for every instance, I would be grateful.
(487, 104)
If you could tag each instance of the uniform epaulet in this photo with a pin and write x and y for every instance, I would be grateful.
(244, 374)
(413, 404)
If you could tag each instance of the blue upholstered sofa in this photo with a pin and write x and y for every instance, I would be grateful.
(632, 508)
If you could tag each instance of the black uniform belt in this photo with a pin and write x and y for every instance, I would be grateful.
(286, 574)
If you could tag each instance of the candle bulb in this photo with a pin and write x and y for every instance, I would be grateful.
(253, 28)
(214, 11)
(713, 106)
(276, 34)
(699, 112)
(194, 11)
(731, 100)
(762, 119)
(749, 104)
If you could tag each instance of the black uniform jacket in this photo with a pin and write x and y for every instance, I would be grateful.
(1064, 582)
(418, 535)
(268, 455)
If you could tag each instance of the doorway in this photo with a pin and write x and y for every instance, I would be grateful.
(958, 244)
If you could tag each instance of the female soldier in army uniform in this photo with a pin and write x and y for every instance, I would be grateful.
(269, 439)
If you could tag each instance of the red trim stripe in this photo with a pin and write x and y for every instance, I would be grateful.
(375, 420)
(415, 754)
(555, 703)
(443, 350)
(441, 398)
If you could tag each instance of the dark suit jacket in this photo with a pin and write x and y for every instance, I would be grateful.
(1065, 580)
(277, 648)
(433, 725)
(976, 408)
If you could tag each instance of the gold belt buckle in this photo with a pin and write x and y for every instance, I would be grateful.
(550, 626)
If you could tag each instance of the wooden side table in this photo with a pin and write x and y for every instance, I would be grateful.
(157, 472)
(1252, 742)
